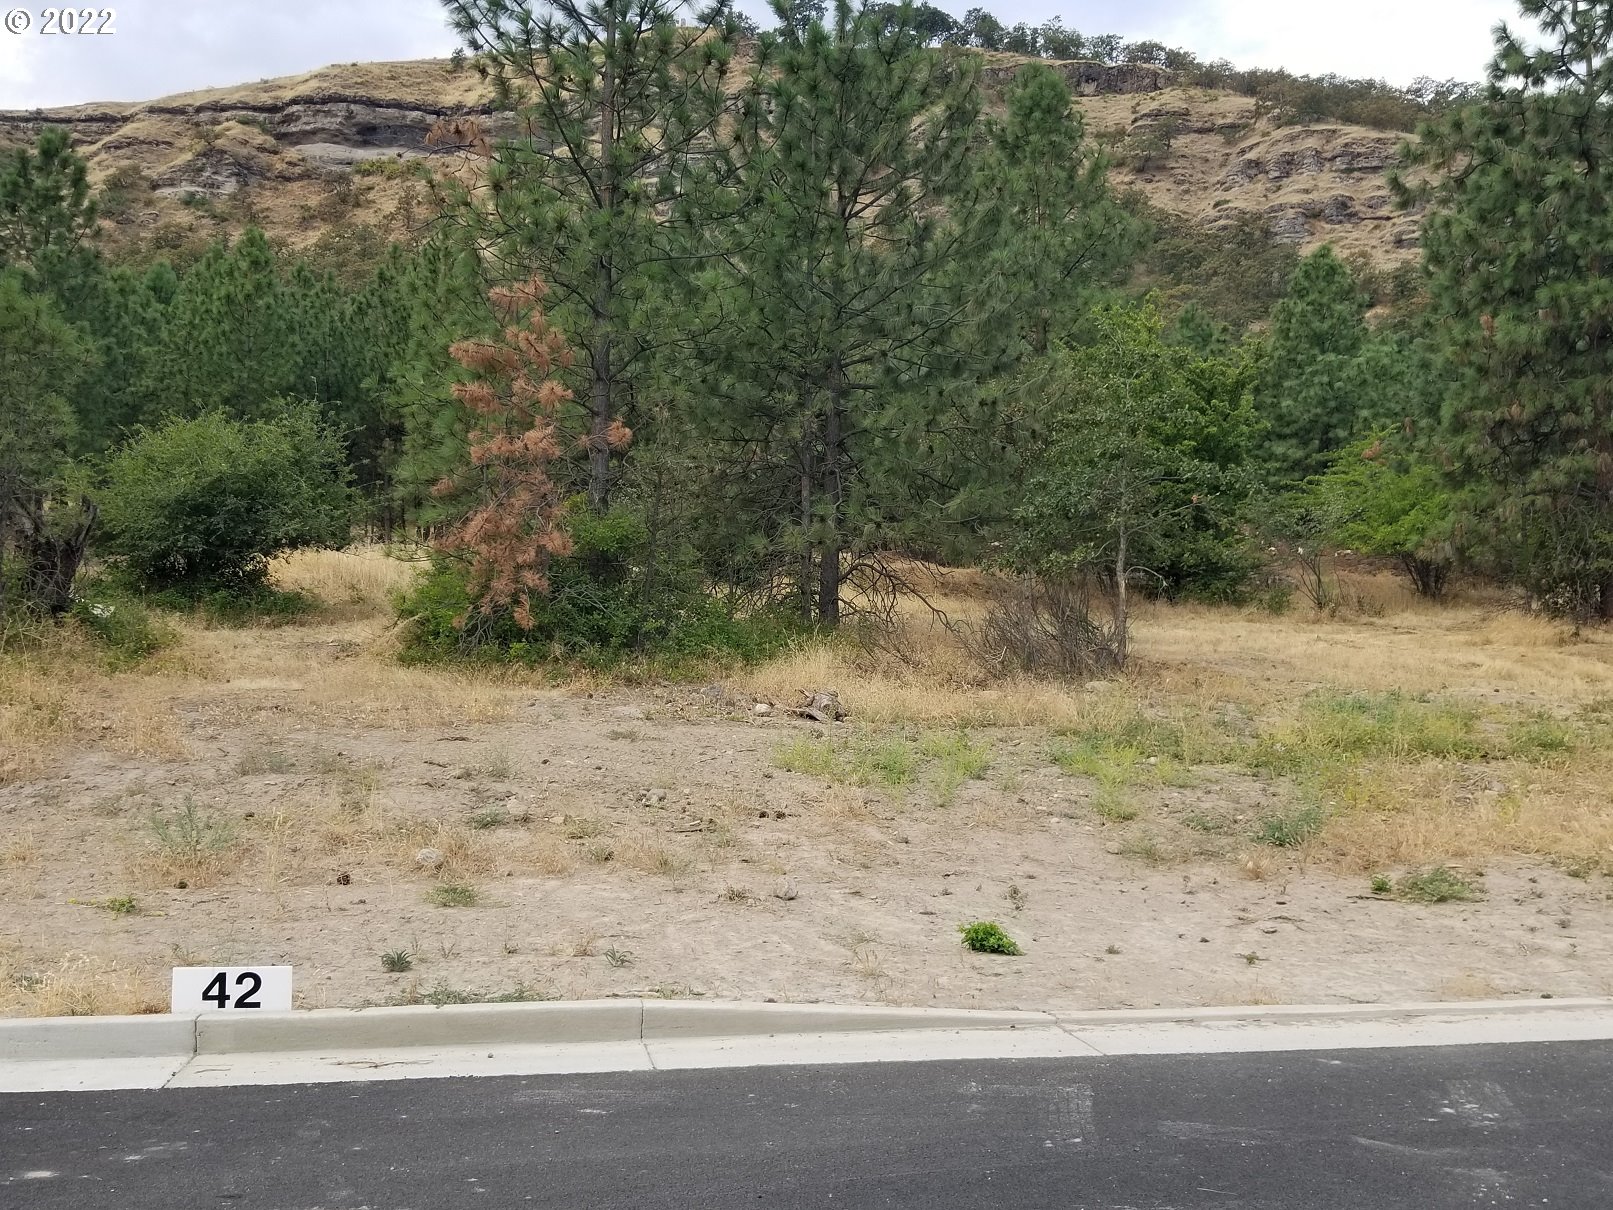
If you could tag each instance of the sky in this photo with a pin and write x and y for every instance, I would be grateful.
(160, 47)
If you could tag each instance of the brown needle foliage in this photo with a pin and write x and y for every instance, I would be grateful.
(515, 524)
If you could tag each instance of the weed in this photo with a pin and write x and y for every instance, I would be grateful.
(490, 817)
(497, 767)
(1017, 898)
(122, 905)
(736, 894)
(395, 962)
(802, 755)
(1381, 885)
(1113, 805)
(1111, 949)
(189, 838)
(1251, 957)
(892, 762)
(1145, 848)
(582, 827)
(625, 734)
(618, 958)
(960, 760)
(262, 760)
(1210, 825)
(1334, 728)
(1289, 831)
(452, 895)
(442, 993)
(601, 851)
(987, 937)
(1539, 739)
(583, 947)
(1438, 885)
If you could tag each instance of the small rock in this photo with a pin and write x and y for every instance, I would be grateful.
(344, 879)
(652, 798)
(761, 709)
(634, 712)
(429, 859)
(557, 819)
(786, 889)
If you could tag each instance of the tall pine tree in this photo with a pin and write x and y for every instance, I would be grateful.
(1311, 395)
(1518, 245)
(842, 312)
(622, 104)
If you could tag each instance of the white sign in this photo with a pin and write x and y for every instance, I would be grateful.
(207, 989)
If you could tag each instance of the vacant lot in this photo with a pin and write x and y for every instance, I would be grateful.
(1401, 803)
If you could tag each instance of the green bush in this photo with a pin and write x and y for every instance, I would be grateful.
(603, 607)
(987, 937)
(122, 624)
(201, 506)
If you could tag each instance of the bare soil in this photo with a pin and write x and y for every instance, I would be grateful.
(649, 843)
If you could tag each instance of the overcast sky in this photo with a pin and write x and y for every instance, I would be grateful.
(168, 46)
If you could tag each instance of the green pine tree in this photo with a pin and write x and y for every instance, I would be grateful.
(623, 105)
(1518, 245)
(47, 216)
(1063, 228)
(1310, 397)
(837, 321)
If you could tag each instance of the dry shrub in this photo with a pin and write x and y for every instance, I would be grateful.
(76, 985)
(1042, 627)
(546, 855)
(464, 850)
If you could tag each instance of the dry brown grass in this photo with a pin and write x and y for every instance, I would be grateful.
(76, 985)
(364, 576)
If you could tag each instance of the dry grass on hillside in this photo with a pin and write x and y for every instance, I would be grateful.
(1507, 744)
(268, 790)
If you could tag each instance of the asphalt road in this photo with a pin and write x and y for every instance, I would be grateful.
(1518, 1125)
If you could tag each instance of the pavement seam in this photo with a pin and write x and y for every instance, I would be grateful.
(1065, 1029)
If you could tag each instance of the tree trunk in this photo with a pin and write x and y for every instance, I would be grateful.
(1122, 638)
(804, 587)
(50, 561)
(1607, 599)
(829, 554)
(599, 399)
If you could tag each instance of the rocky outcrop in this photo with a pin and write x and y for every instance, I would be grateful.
(330, 118)
(1327, 149)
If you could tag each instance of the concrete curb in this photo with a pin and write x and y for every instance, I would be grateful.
(180, 1039)
(77, 1039)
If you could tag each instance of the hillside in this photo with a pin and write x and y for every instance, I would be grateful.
(283, 153)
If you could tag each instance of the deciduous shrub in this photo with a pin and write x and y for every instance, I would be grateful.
(202, 505)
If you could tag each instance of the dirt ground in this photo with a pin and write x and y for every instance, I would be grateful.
(290, 795)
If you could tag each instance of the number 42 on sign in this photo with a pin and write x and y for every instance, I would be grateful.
(206, 989)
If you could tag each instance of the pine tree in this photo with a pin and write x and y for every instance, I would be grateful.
(512, 521)
(623, 105)
(1063, 231)
(229, 341)
(1310, 397)
(42, 356)
(840, 308)
(1518, 245)
(123, 315)
(46, 214)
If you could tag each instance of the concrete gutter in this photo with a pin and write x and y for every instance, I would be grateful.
(212, 1049)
